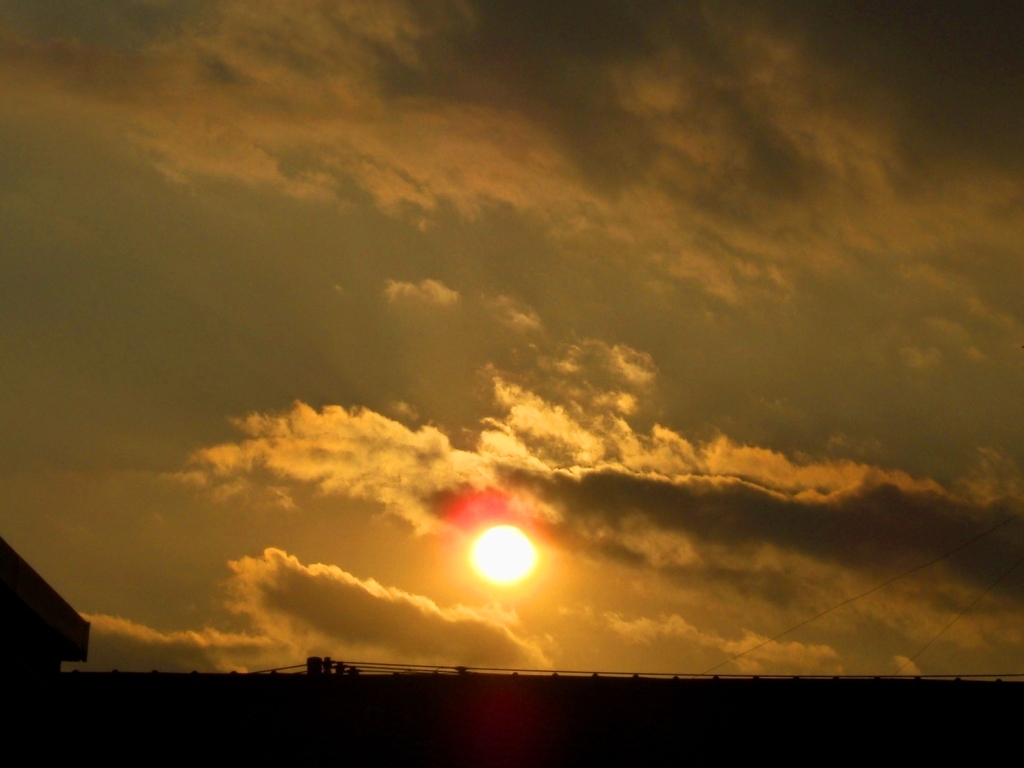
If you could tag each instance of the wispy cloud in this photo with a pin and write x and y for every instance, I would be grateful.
(791, 655)
(119, 643)
(426, 292)
(516, 315)
(732, 169)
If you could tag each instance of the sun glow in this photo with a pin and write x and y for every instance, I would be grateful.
(503, 555)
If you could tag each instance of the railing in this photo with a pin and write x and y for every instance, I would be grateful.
(316, 665)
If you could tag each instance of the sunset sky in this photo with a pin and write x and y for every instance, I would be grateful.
(720, 303)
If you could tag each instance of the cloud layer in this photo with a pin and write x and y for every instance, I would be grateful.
(426, 292)
(736, 521)
(725, 144)
(294, 610)
(725, 293)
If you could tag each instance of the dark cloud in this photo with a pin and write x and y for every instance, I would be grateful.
(946, 79)
(880, 529)
(556, 63)
(124, 24)
(952, 73)
(740, 515)
(935, 85)
(346, 612)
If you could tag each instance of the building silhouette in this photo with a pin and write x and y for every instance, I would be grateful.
(331, 713)
(40, 630)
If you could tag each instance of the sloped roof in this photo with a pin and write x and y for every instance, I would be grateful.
(37, 615)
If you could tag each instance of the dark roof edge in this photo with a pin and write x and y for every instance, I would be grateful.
(44, 601)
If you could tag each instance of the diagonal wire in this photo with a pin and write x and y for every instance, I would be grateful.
(960, 615)
(874, 589)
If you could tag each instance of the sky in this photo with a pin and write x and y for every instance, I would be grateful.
(719, 302)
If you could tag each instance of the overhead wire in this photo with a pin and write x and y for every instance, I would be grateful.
(960, 615)
(390, 668)
(423, 667)
(874, 589)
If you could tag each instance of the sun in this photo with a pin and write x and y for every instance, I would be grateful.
(503, 555)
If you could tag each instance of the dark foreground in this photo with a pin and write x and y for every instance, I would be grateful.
(482, 720)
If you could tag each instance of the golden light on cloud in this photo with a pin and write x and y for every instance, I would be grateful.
(504, 555)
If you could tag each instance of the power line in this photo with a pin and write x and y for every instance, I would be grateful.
(391, 668)
(874, 589)
(960, 615)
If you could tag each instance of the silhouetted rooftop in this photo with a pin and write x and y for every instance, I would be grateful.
(479, 719)
(39, 628)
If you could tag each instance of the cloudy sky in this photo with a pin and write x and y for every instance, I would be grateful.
(721, 302)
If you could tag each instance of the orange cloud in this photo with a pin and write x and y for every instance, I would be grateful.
(295, 610)
(339, 614)
(657, 497)
(801, 658)
(425, 292)
(129, 646)
(738, 172)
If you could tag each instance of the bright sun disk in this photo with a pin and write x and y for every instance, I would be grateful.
(503, 554)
